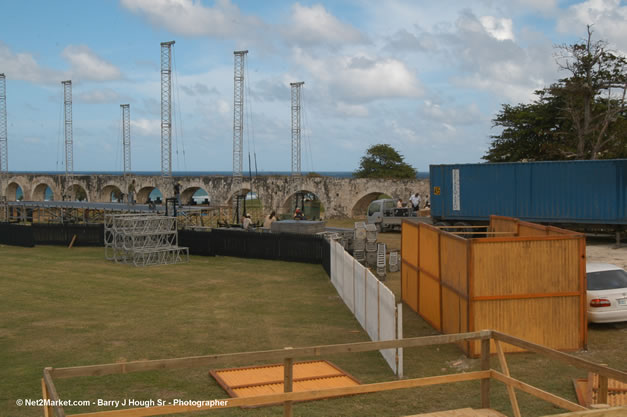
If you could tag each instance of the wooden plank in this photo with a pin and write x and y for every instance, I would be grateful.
(52, 393)
(294, 396)
(485, 365)
(537, 392)
(524, 296)
(606, 412)
(583, 288)
(288, 379)
(602, 392)
(44, 395)
(463, 412)
(72, 242)
(274, 355)
(563, 357)
(505, 369)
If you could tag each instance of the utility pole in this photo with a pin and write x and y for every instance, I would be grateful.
(296, 122)
(126, 137)
(69, 141)
(166, 108)
(4, 147)
(238, 127)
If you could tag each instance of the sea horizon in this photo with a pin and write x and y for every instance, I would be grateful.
(335, 174)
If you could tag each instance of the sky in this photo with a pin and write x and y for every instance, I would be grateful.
(426, 77)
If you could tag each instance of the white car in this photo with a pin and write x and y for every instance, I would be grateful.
(607, 293)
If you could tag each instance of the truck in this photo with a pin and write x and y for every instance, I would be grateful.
(581, 195)
(386, 216)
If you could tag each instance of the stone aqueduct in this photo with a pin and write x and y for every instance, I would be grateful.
(340, 196)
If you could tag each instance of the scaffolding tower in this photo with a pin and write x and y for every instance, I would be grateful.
(126, 137)
(166, 108)
(296, 123)
(143, 239)
(238, 128)
(4, 147)
(69, 140)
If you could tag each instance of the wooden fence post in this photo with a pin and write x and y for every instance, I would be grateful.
(288, 379)
(485, 365)
(602, 393)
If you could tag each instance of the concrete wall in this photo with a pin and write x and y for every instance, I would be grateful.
(341, 197)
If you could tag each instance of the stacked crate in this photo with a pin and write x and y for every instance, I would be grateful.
(393, 263)
(371, 245)
(381, 250)
(359, 242)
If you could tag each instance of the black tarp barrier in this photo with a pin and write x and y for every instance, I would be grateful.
(288, 247)
(16, 235)
(62, 234)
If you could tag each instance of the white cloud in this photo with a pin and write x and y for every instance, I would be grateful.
(500, 29)
(360, 77)
(23, 66)
(191, 18)
(353, 110)
(87, 65)
(314, 25)
(607, 16)
(146, 127)
(105, 95)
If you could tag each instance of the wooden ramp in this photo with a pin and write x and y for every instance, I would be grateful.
(463, 412)
(268, 379)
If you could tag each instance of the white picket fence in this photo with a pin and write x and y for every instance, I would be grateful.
(372, 303)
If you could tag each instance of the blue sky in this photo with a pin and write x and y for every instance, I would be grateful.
(425, 77)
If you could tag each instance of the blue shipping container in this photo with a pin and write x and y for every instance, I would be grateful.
(588, 192)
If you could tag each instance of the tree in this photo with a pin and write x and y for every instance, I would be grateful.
(383, 161)
(582, 116)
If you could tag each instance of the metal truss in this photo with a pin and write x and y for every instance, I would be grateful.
(296, 123)
(126, 136)
(4, 149)
(143, 240)
(67, 116)
(166, 108)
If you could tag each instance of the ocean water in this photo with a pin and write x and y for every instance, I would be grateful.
(336, 174)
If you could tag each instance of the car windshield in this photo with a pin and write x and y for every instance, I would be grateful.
(607, 280)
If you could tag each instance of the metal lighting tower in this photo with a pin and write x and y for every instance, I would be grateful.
(238, 113)
(4, 149)
(69, 141)
(126, 136)
(238, 128)
(296, 122)
(166, 108)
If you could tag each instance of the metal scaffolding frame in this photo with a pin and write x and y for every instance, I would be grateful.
(4, 148)
(69, 140)
(238, 128)
(166, 108)
(126, 136)
(143, 240)
(296, 123)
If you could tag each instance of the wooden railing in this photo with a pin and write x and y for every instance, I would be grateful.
(287, 355)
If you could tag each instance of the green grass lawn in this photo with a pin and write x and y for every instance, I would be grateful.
(68, 307)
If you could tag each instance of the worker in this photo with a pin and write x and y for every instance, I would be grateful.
(399, 203)
(247, 224)
(415, 202)
(271, 218)
(298, 214)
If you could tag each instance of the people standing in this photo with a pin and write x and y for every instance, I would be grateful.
(415, 202)
(247, 223)
(271, 218)
(131, 193)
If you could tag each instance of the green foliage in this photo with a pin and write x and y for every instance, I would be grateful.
(582, 116)
(383, 161)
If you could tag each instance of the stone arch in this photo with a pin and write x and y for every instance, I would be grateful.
(254, 208)
(13, 189)
(39, 192)
(287, 206)
(188, 193)
(109, 192)
(78, 192)
(144, 193)
(361, 205)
